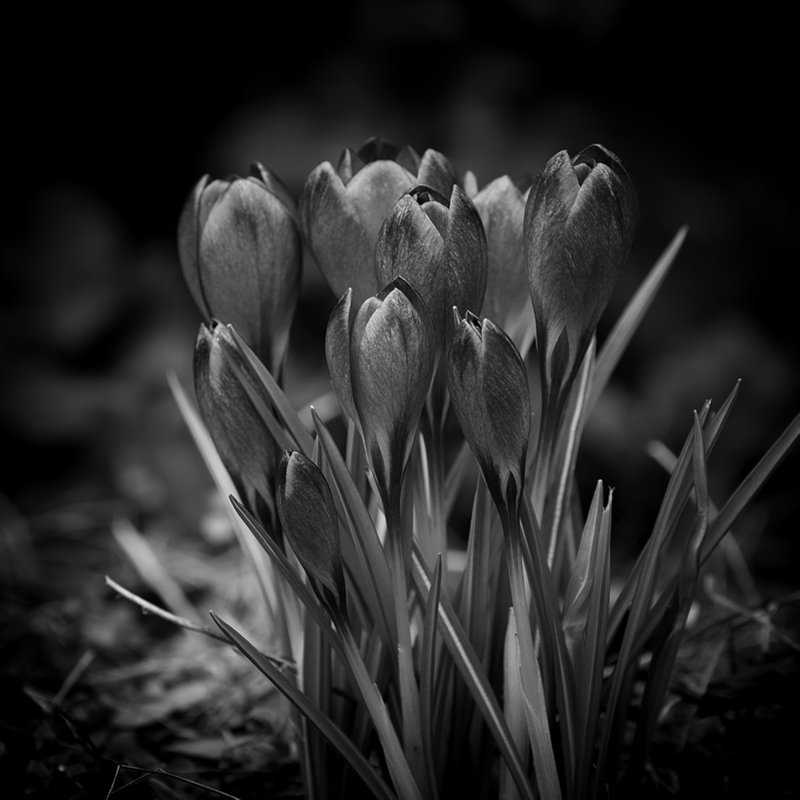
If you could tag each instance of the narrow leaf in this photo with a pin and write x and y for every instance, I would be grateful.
(617, 341)
(456, 474)
(666, 650)
(589, 683)
(287, 414)
(473, 674)
(281, 562)
(513, 703)
(539, 732)
(749, 487)
(372, 557)
(427, 673)
(261, 566)
(335, 736)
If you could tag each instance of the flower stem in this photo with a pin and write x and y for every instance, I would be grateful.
(543, 754)
(409, 690)
(433, 433)
(404, 781)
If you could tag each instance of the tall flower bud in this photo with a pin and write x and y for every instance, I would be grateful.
(240, 251)
(580, 224)
(507, 303)
(381, 367)
(342, 209)
(489, 392)
(244, 444)
(308, 516)
(439, 246)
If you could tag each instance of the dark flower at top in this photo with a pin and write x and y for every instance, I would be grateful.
(580, 224)
(381, 365)
(244, 443)
(438, 245)
(342, 209)
(489, 392)
(240, 251)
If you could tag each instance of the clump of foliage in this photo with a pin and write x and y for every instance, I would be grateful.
(464, 334)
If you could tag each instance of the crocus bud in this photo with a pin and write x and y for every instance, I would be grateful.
(337, 354)
(438, 246)
(580, 223)
(240, 251)
(342, 209)
(308, 516)
(507, 302)
(381, 364)
(391, 359)
(489, 392)
(244, 444)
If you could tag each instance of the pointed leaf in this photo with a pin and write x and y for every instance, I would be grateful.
(261, 566)
(617, 341)
(335, 736)
(427, 670)
(372, 557)
(284, 408)
(474, 676)
(749, 487)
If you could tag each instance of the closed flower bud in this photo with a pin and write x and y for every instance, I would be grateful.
(580, 223)
(489, 392)
(439, 246)
(240, 251)
(342, 209)
(392, 355)
(309, 519)
(381, 364)
(244, 444)
(507, 303)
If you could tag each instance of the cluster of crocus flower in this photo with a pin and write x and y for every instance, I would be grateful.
(443, 290)
(403, 241)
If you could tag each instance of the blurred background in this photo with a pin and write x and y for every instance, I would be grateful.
(111, 120)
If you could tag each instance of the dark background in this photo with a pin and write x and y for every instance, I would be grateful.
(110, 121)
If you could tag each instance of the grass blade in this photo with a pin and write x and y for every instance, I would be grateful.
(621, 334)
(396, 760)
(472, 672)
(585, 620)
(590, 689)
(749, 487)
(513, 704)
(261, 566)
(539, 732)
(644, 585)
(572, 428)
(284, 408)
(427, 673)
(281, 562)
(557, 668)
(474, 595)
(357, 761)
(372, 557)
(666, 650)
(317, 686)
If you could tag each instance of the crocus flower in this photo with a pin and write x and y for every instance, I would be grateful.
(381, 367)
(342, 209)
(580, 223)
(240, 250)
(244, 444)
(308, 516)
(501, 205)
(489, 392)
(439, 246)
